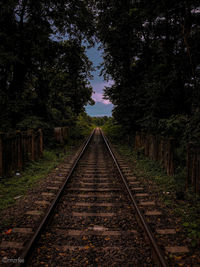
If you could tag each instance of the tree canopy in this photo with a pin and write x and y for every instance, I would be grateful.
(44, 70)
(151, 52)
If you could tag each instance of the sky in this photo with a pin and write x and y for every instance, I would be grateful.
(98, 83)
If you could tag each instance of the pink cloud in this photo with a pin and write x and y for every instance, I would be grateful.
(98, 89)
(98, 97)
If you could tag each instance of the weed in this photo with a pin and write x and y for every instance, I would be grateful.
(16, 186)
(185, 205)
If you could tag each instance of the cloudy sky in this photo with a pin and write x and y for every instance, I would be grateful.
(98, 85)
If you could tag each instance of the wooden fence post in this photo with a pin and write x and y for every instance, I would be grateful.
(136, 141)
(24, 147)
(65, 133)
(9, 154)
(146, 149)
(191, 155)
(1, 154)
(187, 181)
(156, 147)
(19, 150)
(170, 167)
(166, 154)
(198, 171)
(29, 144)
(41, 141)
(151, 147)
(162, 151)
(32, 145)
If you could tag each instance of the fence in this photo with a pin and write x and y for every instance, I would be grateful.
(157, 148)
(162, 150)
(18, 148)
(61, 134)
(193, 167)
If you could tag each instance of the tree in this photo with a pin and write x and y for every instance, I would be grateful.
(151, 54)
(31, 32)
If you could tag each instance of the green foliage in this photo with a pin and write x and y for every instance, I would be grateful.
(167, 188)
(31, 122)
(42, 76)
(193, 231)
(113, 130)
(152, 170)
(150, 51)
(35, 171)
(99, 121)
(174, 126)
(192, 128)
(82, 127)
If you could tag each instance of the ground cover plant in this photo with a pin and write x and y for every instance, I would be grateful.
(183, 205)
(15, 187)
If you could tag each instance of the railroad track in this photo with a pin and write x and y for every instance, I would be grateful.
(94, 219)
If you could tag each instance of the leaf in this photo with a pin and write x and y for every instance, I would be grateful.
(62, 254)
(194, 243)
(17, 197)
(178, 257)
(8, 231)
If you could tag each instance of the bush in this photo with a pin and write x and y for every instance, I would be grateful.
(113, 130)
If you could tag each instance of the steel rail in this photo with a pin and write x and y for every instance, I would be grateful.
(158, 254)
(29, 248)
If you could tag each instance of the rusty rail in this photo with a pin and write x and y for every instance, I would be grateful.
(36, 236)
(33, 241)
(156, 251)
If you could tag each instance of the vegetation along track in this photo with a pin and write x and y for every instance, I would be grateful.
(94, 220)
